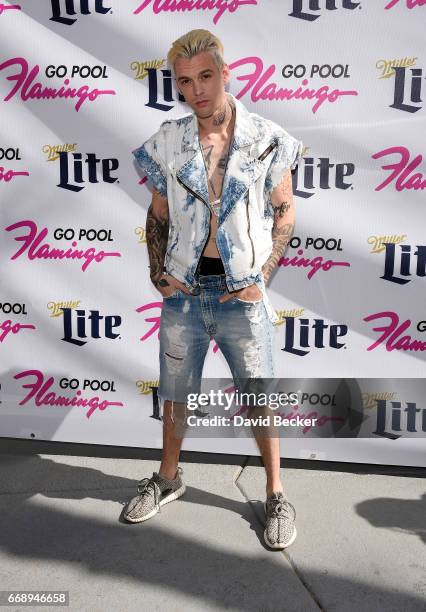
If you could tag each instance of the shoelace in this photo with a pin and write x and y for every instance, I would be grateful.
(146, 484)
(279, 508)
(151, 483)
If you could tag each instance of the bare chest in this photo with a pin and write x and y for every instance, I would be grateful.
(215, 153)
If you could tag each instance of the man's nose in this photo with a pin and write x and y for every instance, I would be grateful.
(197, 88)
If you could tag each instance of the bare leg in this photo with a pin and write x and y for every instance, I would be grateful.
(172, 442)
(269, 448)
(270, 451)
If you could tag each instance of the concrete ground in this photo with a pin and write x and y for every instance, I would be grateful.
(360, 544)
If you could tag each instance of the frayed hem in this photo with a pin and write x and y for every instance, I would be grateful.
(161, 401)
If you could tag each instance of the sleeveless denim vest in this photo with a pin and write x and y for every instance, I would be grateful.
(260, 152)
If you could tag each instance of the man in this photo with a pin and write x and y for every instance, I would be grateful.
(220, 218)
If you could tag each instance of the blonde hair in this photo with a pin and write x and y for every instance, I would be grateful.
(194, 42)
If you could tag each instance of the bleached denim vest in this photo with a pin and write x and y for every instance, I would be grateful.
(260, 153)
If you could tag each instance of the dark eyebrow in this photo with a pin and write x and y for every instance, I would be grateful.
(202, 71)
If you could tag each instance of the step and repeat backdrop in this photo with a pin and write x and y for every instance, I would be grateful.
(85, 82)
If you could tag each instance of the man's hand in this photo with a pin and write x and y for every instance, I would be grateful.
(173, 283)
(251, 293)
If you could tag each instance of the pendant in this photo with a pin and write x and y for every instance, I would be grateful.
(215, 205)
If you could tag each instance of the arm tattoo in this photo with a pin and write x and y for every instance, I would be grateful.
(281, 236)
(281, 200)
(281, 209)
(157, 233)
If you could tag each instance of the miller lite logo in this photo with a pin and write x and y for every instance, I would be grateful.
(74, 171)
(301, 335)
(92, 325)
(63, 11)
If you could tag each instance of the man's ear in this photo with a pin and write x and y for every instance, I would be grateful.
(177, 87)
(226, 73)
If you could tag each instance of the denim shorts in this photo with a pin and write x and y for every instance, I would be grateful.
(242, 330)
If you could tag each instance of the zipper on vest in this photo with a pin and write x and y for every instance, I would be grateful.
(268, 150)
(201, 199)
(193, 192)
(260, 158)
(248, 230)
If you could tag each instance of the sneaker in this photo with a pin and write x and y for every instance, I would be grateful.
(153, 493)
(280, 530)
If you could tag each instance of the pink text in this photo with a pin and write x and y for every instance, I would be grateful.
(39, 390)
(8, 327)
(24, 82)
(391, 332)
(401, 170)
(317, 263)
(32, 240)
(10, 174)
(189, 5)
(262, 91)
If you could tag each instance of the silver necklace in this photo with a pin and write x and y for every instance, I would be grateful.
(216, 204)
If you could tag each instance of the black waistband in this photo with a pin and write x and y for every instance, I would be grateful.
(210, 265)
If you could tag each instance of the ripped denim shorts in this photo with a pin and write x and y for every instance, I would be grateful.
(242, 330)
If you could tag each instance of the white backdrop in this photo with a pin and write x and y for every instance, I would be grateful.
(72, 225)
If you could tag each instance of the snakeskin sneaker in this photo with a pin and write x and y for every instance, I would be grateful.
(280, 530)
(153, 493)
